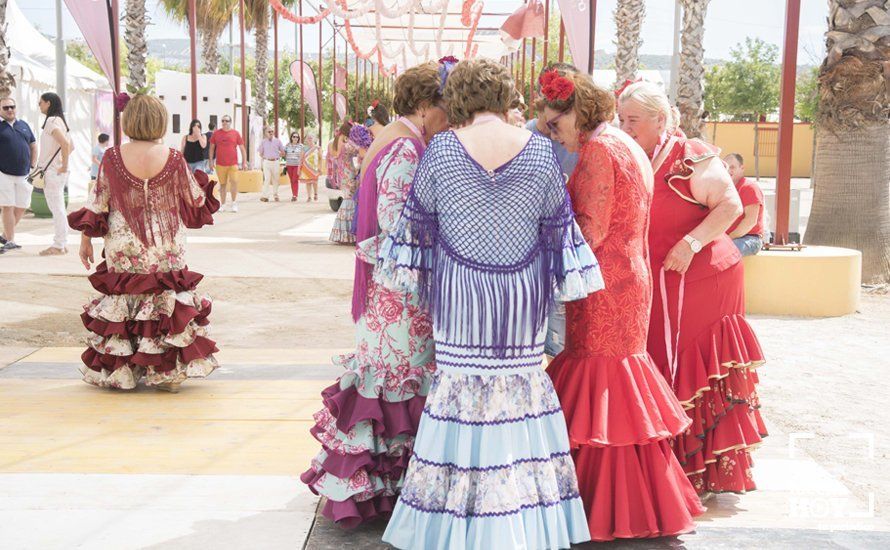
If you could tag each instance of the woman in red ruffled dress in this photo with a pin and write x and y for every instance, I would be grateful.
(621, 413)
(149, 323)
(698, 334)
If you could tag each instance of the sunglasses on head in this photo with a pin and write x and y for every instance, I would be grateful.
(551, 124)
(8, 107)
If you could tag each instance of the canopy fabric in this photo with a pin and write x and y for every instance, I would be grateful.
(429, 33)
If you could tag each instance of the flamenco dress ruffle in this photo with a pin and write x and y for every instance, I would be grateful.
(342, 230)
(716, 382)
(371, 414)
(152, 327)
(491, 466)
(621, 415)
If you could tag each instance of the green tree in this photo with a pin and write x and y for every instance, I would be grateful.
(750, 86)
(716, 96)
(807, 108)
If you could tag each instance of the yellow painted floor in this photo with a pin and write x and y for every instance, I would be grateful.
(243, 427)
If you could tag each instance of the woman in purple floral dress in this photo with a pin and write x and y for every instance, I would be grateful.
(370, 414)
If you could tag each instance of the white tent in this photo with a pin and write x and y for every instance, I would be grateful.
(33, 65)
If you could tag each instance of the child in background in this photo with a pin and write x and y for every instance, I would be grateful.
(310, 167)
(97, 154)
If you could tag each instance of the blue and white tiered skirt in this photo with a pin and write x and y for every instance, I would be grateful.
(491, 467)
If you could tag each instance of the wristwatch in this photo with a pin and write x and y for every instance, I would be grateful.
(694, 243)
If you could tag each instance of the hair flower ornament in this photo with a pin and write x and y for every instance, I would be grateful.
(446, 65)
(556, 87)
(360, 136)
(121, 100)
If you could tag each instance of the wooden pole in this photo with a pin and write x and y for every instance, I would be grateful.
(532, 78)
(193, 55)
(546, 32)
(113, 19)
(334, 76)
(562, 40)
(592, 36)
(244, 128)
(320, 84)
(786, 120)
(522, 76)
(302, 93)
(275, 92)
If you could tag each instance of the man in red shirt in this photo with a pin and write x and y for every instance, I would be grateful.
(748, 231)
(224, 146)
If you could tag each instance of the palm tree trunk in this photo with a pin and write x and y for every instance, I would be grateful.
(629, 15)
(690, 92)
(262, 63)
(7, 82)
(210, 56)
(851, 206)
(136, 21)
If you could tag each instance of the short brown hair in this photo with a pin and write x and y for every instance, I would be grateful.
(144, 118)
(416, 87)
(475, 86)
(592, 104)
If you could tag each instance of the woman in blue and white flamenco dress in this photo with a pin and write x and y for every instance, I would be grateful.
(489, 241)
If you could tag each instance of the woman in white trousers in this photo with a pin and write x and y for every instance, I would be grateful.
(55, 148)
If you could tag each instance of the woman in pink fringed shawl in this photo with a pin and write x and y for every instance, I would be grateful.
(370, 415)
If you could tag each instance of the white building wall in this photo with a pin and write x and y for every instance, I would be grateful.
(218, 95)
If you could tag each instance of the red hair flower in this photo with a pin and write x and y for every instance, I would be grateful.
(556, 87)
(375, 103)
(448, 59)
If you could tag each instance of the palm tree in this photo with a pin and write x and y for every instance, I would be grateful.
(212, 19)
(135, 22)
(629, 15)
(257, 17)
(851, 205)
(6, 80)
(690, 99)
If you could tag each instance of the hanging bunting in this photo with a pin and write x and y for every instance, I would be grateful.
(290, 16)
(339, 77)
(340, 105)
(309, 90)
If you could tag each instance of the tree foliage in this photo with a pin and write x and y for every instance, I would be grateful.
(747, 87)
(807, 96)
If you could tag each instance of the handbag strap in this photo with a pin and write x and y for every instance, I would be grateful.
(672, 342)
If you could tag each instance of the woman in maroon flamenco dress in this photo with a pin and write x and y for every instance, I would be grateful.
(705, 347)
(621, 413)
(148, 324)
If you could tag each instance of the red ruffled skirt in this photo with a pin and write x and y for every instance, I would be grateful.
(716, 379)
(621, 414)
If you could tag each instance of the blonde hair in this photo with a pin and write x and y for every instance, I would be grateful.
(144, 118)
(653, 100)
(475, 86)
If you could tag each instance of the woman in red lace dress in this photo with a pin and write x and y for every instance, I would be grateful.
(620, 411)
(148, 324)
(698, 334)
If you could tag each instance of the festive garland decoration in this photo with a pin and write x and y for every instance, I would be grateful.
(290, 16)
(473, 11)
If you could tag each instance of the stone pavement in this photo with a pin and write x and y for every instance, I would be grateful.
(217, 466)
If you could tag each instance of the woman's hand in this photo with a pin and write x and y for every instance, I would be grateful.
(86, 252)
(679, 258)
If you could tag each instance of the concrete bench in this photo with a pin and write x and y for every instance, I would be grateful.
(818, 281)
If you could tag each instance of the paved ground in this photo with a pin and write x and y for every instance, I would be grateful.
(217, 465)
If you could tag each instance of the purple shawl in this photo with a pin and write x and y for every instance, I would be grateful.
(366, 223)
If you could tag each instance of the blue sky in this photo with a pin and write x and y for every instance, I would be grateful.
(728, 23)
